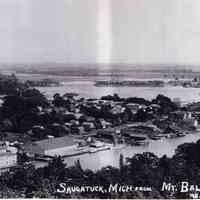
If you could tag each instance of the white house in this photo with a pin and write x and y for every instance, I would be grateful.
(8, 158)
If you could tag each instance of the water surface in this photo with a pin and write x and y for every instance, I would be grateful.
(111, 157)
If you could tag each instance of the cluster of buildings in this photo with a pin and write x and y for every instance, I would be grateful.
(83, 125)
(194, 83)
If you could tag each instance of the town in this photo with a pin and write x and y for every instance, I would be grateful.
(37, 128)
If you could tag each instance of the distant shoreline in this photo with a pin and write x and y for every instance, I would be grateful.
(193, 83)
(148, 83)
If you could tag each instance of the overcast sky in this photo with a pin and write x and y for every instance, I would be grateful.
(131, 31)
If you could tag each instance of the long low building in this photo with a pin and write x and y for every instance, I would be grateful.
(52, 147)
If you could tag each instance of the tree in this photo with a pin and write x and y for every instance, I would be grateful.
(10, 85)
(142, 116)
(34, 97)
(59, 101)
(122, 168)
(56, 169)
(166, 105)
(138, 100)
(22, 109)
(24, 176)
(22, 158)
(114, 97)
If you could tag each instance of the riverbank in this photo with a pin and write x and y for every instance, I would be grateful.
(111, 157)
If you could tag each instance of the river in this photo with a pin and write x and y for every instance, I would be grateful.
(111, 157)
(88, 90)
(85, 88)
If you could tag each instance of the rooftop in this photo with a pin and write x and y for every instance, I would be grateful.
(7, 154)
(54, 143)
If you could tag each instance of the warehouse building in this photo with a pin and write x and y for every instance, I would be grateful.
(60, 146)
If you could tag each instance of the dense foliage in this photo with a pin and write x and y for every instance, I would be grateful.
(141, 170)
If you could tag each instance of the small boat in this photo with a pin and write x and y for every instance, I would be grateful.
(43, 158)
(143, 143)
(181, 134)
(155, 137)
(138, 143)
(97, 144)
(95, 150)
(171, 135)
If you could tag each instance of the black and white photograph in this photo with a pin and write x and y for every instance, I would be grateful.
(100, 99)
